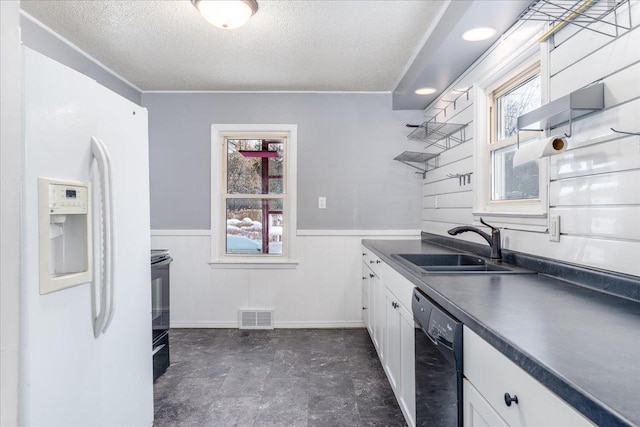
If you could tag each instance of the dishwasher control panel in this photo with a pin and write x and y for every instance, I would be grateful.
(442, 328)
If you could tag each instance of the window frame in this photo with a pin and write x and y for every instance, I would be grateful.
(521, 214)
(219, 134)
(510, 83)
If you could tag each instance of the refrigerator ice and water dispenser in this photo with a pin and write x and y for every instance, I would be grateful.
(64, 234)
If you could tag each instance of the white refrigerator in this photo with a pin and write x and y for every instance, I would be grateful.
(77, 366)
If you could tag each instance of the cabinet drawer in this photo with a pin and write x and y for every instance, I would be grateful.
(493, 375)
(371, 260)
(401, 287)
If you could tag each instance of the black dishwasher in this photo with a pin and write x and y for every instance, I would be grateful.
(438, 365)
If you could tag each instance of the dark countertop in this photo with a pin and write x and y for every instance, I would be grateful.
(582, 344)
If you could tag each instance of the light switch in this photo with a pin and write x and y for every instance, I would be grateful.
(322, 202)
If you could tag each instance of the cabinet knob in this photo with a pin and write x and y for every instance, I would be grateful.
(509, 400)
(371, 261)
(395, 304)
(372, 275)
(378, 261)
(364, 254)
(364, 308)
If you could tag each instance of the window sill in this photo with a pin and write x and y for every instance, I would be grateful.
(253, 264)
(525, 221)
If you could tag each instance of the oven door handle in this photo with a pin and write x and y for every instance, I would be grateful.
(157, 349)
(163, 262)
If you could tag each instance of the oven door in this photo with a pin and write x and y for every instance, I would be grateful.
(160, 297)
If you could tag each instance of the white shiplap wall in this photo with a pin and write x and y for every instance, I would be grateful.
(595, 185)
(323, 291)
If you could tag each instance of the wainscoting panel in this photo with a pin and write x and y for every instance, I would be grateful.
(323, 291)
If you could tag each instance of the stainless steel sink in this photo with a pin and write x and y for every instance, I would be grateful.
(455, 264)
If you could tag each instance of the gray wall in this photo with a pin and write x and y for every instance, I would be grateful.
(41, 40)
(346, 143)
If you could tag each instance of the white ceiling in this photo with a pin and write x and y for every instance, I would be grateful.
(304, 45)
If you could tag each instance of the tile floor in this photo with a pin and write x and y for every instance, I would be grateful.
(281, 377)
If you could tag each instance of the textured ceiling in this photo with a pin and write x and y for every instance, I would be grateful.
(310, 45)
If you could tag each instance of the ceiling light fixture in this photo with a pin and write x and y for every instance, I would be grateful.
(226, 14)
(479, 34)
(425, 91)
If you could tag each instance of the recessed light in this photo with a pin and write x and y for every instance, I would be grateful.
(425, 91)
(478, 34)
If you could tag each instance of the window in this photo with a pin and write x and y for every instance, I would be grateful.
(514, 98)
(513, 197)
(253, 197)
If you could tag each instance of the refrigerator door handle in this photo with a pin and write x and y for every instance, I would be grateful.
(112, 240)
(101, 322)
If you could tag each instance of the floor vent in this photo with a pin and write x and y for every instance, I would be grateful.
(256, 319)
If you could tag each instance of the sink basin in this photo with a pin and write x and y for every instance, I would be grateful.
(454, 263)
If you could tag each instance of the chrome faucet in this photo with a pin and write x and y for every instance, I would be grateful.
(493, 240)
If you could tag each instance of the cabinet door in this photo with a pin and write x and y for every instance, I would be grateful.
(365, 305)
(365, 297)
(371, 309)
(476, 411)
(407, 366)
(392, 340)
(379, 317)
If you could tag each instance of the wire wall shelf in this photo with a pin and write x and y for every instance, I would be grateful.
(439, 135)
(415, 158)
(581, 13)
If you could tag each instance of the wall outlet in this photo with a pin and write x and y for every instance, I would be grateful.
(322, 202)
(554, 228)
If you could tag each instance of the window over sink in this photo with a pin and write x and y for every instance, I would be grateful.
(507, 195)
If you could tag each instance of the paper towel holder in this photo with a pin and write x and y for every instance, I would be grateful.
(566, 135)
(554, 144)
(577, 104)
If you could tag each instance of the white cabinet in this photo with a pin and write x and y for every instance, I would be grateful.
(379, 318)
(392, 341)
(366, 311)
(390, 324)
(399, 363)
(371, 287)
(407, 367)
(394, 331)
(490, 375)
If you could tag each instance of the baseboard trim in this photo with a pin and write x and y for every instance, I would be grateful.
(277, 325)
(320, 324)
